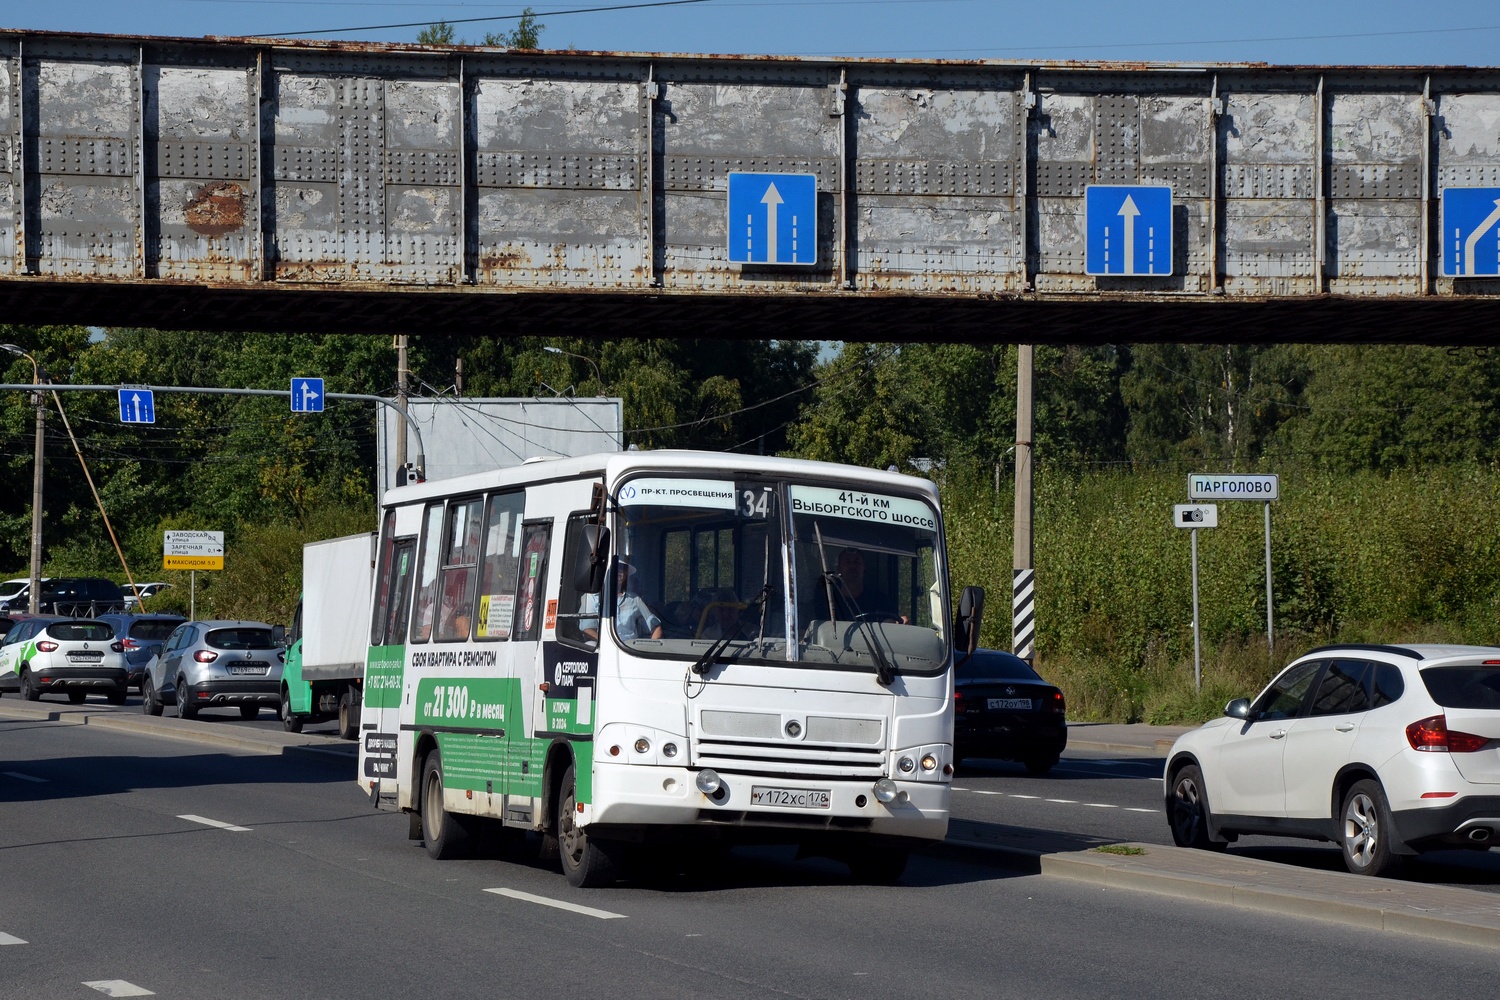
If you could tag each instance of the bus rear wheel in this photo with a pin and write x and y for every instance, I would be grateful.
(587, 861)
(445, 834)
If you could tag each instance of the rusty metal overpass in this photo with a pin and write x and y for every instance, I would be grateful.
(237, 184)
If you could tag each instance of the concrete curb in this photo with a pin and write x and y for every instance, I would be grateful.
(1438, 912)
(1159, 748)
(251, 741)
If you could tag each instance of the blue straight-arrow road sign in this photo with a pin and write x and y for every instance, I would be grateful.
(1471, 232)
(137, 406)
(307, 395)
(773, 218)
(1129, 229)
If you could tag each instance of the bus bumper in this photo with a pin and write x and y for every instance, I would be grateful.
(631, 795)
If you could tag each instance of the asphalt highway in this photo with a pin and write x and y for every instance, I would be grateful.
(131, 863)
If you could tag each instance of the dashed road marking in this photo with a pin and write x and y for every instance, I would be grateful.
(587, 911)
(1100, 805)
(216, 824)
(9, 939)
(1064, 802)
(119, 988)
(25, 777)
(1137, 809)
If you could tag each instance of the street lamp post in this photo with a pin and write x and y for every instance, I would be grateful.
(36, 477)
(581, 357)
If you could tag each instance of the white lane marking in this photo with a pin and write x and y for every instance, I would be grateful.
(25, 777)
(981, 791)
(587, 911)
(1015, 796)
(216, 824)
(9, 939)
(1099, 805)
(1134, 809)
(118, 988)
(957, 789)
(1065, 802)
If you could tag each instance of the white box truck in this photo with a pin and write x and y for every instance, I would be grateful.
(325, 658)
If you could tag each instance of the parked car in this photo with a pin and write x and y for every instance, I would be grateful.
(77, 596)
(1387, 751)
(1003, 709)
(138, 634)
(215, 664)
(69, 655)
(16, 593)
(142, 591)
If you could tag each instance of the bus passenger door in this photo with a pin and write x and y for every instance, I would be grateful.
(527, 755)
(385, 664)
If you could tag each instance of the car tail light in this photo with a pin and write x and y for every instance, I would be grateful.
(129, 643)
(118, 647)
(1056, 703)
(1433, 734)
(959, 708)
(47, 646)
(205, 656)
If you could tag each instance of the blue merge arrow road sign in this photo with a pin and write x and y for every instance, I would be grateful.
(307, 395)
(773, 218)
(1129, 229)
(137, 406)
(1471, 232)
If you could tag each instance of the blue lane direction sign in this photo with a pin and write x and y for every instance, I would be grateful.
(1471, 232)
(1129, 229)
(137, 406)
(773, 218)
(307, 395)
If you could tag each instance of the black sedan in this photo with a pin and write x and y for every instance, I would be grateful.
(1003, 709)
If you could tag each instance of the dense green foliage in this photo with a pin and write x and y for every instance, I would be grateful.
(1389, 458)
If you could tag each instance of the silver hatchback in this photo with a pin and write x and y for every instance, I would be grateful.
(216, 664)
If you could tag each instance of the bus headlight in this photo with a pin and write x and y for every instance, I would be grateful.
(886, 790)
(709, 782)
(929, 762)
(906, 764)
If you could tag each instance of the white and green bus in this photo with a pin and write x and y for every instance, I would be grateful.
(663, 648)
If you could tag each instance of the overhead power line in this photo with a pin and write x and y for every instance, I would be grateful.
(499, 17)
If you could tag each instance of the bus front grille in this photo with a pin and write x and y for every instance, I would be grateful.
(784, 759)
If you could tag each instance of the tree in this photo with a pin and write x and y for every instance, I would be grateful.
(440, 33)
(525, 35)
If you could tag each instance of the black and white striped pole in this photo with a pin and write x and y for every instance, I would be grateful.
(1023, 577)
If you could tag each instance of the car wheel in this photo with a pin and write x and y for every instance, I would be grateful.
(185, 707)
(150, 703)
(445, 834)
(291, 723)
(348, 716)
(1187, 811)
(117, 696)
(587, 861)
(76, 697)
(1039, 766)
(1366, 830)
(29, 689)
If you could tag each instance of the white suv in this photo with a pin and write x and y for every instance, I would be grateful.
(1388, 751)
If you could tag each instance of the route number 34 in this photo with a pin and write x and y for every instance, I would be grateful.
(755, 502)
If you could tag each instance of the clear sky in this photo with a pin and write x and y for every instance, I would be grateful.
(1437, 32)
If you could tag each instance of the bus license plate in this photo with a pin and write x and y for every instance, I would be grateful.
(789, 798)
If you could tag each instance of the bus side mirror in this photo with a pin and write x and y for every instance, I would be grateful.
(592, 560)
(970, 613)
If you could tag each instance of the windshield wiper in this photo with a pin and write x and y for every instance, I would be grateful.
(885, 674)
(711, 656)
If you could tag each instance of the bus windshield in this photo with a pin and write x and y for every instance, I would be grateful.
(779, 573)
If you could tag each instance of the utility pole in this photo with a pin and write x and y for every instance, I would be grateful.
(1023, 576)
(403, 378)
(40, 399)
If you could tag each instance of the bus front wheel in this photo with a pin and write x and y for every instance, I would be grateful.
(445, 834)
(587, 861)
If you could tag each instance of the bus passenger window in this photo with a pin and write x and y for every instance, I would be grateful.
(460, 571)
(497, 570)
(427, 575)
